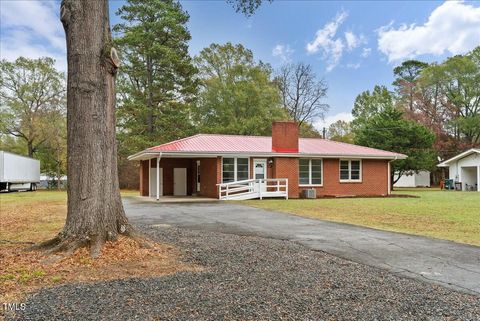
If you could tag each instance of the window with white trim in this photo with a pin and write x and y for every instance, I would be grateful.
(234, 169)
(350, 170)
(310, 171)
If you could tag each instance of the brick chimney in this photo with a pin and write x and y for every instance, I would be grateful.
(285, 137)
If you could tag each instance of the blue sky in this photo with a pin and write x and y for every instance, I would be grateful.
(353, 45)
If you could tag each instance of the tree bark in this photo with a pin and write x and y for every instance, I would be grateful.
(95, 210)
(30, 148)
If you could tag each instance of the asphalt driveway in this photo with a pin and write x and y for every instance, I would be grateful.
(443, 262)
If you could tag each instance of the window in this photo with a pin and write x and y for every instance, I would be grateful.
(242, 169)
(228, 170)
(350, 170)
(310, 171)
(234, 169)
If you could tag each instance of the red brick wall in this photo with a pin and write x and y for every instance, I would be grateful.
(287, 168)
(374, 178)
(144, 178)
(285, 137)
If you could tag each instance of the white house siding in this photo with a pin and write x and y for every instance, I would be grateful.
(466, 170)
(422, 179)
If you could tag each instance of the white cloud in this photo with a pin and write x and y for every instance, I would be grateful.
(331, 48)
(330, 45)
(332, 119)
(366, 52)
(284, 52)
(32, 29)
(354, 41)
(453, 27)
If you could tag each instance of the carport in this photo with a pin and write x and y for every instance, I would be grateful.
(464, 169)
(164, 174)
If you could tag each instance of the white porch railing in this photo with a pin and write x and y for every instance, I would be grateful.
(253, 188)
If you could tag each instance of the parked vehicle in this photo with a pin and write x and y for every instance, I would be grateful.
(18, 172)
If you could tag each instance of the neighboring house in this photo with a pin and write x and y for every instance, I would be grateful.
(51, 181)
(465, 169)
(413, 179)
(242, 167)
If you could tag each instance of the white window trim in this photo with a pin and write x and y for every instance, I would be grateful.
(235, 167)
(349, 180)
(310, 173)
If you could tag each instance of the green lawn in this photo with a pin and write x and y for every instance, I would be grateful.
(447, 215)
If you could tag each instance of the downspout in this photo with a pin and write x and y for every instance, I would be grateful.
(158, 175)
(390, 176)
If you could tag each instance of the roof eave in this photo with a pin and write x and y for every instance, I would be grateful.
(148, 154)
(466, 153)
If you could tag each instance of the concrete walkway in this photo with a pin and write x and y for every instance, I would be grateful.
(443, 262)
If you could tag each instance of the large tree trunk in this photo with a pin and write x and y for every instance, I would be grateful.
(95, 210)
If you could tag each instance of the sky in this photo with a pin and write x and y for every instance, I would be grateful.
(352, 45)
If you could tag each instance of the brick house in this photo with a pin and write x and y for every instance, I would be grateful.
(243, 167)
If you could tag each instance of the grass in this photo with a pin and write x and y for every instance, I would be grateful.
(27, 218)
(446, 215)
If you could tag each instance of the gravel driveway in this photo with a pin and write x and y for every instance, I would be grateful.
(254, 278)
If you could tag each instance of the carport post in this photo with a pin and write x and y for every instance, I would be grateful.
(158, 176)
(478, 178)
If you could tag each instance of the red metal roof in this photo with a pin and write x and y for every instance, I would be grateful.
(207, 143)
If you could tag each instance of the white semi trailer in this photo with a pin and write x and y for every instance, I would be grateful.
(18, 172)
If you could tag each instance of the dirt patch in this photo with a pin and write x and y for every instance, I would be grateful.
(26, 221)
(24, 271)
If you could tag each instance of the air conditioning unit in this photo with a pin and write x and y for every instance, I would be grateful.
(310, 193)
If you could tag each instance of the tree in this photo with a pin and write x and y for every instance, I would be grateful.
(307, 130)
(156, 86)
(457, 79)
(236, 93)
(53, 153)
(341, 131)
(388, 130)
(407, 75)
(302, 93)
(12, 144)
(369, 104)
(30, 90)
(247, 7)
(95, 211)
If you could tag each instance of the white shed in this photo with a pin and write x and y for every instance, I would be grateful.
(413, 179)
(465, 169)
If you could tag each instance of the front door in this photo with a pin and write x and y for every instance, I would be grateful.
(260, 172)
(179, 181)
